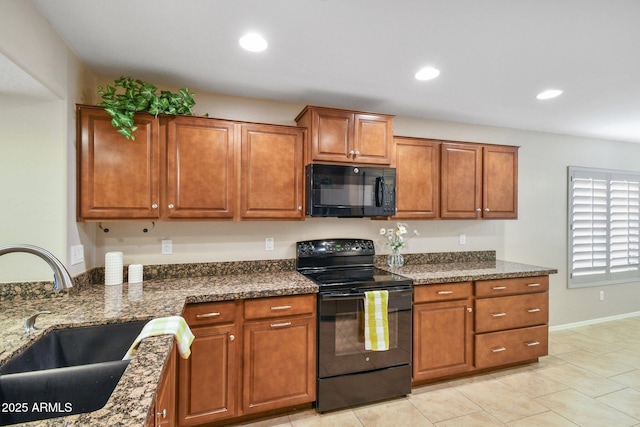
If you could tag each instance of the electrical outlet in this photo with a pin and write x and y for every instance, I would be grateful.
(167, 247)
(463, 239)
(269, 244)
(601, 295)
(77, 254)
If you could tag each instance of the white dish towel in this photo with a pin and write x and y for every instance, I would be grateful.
(173, 325)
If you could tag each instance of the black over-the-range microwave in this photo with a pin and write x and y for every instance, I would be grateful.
(350, 191)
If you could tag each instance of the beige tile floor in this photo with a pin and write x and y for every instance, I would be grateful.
(590, 378)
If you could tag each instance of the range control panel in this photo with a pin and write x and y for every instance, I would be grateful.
(337, 247)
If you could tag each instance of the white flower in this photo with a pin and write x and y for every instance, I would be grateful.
(383, 231)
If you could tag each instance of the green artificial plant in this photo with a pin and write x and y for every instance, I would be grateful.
(141, 96)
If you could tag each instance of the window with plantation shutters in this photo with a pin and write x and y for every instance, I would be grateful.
(604, 226)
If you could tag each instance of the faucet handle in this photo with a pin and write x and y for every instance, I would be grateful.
(30, 322)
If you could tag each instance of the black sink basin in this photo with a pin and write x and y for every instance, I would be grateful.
(66, 371)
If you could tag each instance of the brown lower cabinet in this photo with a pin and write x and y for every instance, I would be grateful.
(464, 327)
(248, 356)
(165, 408)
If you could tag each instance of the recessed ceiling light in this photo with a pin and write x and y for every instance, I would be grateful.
(427, 73)
(253, 42)
(549, 93)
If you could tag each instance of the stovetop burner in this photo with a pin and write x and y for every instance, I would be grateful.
(343, 263)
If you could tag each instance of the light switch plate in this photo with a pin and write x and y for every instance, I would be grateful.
(269, 244)
(77, 254)
(167, 247)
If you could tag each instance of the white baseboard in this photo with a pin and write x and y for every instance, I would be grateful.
(593, 321)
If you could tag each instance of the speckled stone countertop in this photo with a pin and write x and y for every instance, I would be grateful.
(167, 292)
(131, 403)
(423, 274)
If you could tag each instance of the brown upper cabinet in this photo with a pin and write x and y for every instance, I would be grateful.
(185, 167)
(344, 136)
(117, 178)
(417, 163)
(479, 181)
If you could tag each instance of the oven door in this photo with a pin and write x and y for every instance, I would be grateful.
(341, 348)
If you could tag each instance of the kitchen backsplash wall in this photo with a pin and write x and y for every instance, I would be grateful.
(241, 241)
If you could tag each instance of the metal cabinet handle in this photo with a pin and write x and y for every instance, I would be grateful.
(154, 206)
(445, 292)
(357, 153)
(171, 206)
(207, 315)
(299, 208)
(478, 210)
(162, 414)
(533, 310)
(499, 288)
(532, 343)
(498, 350)
(469, 309)
(281, 307)
(232, 337)
(351, 153)
(498, 314)
(280, 325)
(533, 285)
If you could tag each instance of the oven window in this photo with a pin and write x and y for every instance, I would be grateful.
(349, 331)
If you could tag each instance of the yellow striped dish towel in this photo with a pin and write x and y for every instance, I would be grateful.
(173, 325)
(376, 320)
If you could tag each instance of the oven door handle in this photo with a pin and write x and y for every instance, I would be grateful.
(393, 292)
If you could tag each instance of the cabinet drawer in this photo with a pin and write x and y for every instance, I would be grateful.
(519, 285)
(502, 348)
(496, 314)
(210, 313)
(442, 292)
(264, 308)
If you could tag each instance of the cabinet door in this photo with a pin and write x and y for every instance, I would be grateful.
(417, 163)
(373, 139)
(207, 380)
(331, 135)
(500, 182)
(200, 168)
(166, 401)
(461, 185)
(279, 363)
(442, 339)
(117, 178)
(272, 172)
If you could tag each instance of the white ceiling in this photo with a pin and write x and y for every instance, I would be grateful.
(494, 55)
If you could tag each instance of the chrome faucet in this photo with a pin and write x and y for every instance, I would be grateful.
(61, 277)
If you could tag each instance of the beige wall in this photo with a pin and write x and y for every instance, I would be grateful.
(37, 144)
(537, 237)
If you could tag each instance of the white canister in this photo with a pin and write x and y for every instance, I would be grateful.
(135, 273)
(113, 268)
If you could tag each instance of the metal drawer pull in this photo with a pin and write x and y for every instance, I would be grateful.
(162, 414)
(207, 315)
(498, 350)
(531, 344)
(533, 310)
(445, 292)
(281, 307)
(498, 314)
(280, 325)
(533, 285)
(499, 288)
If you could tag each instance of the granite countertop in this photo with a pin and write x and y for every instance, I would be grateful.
(450, 272)
(132, 401)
